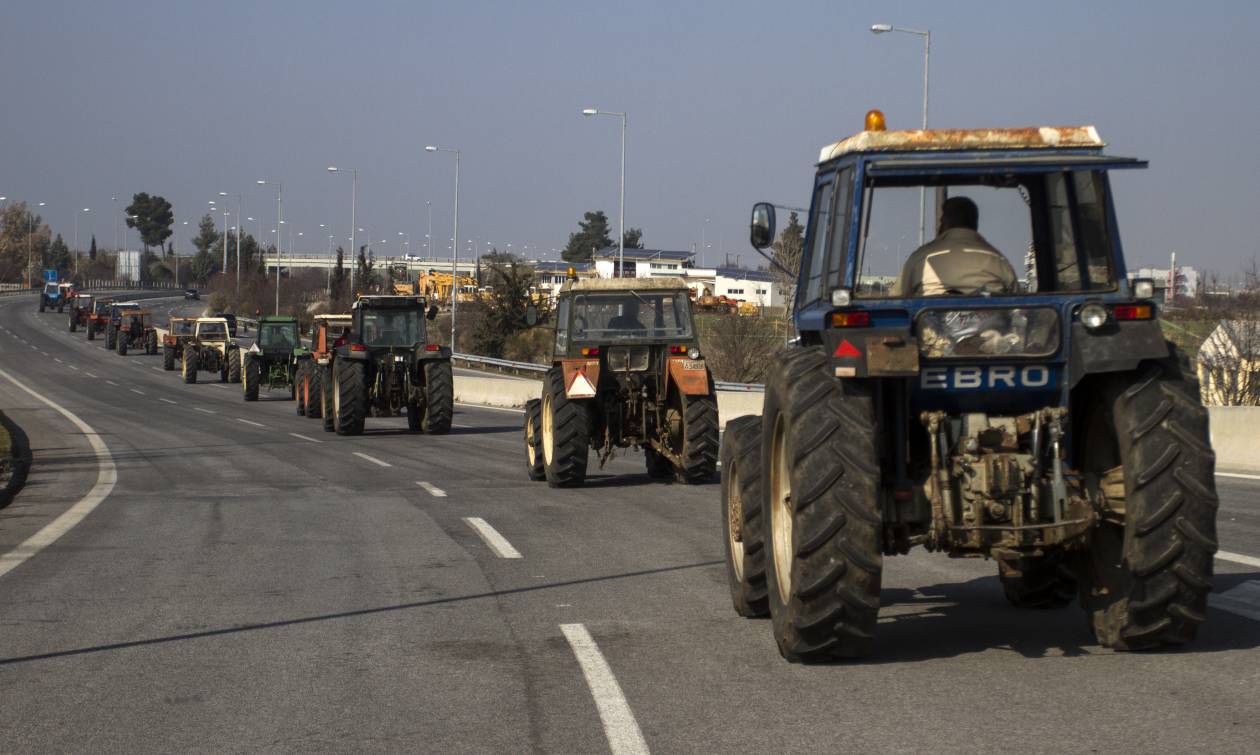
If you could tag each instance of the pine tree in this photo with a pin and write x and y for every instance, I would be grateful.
(92, 249)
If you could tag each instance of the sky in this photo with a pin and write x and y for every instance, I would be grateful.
(728, 103)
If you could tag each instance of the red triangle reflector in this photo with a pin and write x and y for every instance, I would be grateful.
(847, 350)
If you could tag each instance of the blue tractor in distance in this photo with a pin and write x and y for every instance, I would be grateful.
(53, 294)
(1031, 413)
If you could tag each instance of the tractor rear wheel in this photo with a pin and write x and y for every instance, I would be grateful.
(325, 398)
(168, 358)
(312, 386)
(72, 322)
(253, 377)
(150, 342)
(42, 303)
(1046, 582)
(190, 365)
(821, 510)
(741, 516)
(533, 440)
(1145, 584)
(565, 434)
(439, 397)
(233, 366)
(349, 397)
(110, 336)
(298, 381)
(91, 330)
(122, 344)
(699, 436)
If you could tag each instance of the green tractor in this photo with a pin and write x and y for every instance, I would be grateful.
(272, 361)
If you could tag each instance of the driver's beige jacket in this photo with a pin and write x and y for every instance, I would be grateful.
(959, 260)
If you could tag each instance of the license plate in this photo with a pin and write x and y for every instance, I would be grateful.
(692, 364)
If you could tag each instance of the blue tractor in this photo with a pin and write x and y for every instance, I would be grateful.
(936, 397)
(52, 295)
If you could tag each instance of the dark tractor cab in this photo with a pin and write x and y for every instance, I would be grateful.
(626, 372)
(1001, 391)
(386, 365)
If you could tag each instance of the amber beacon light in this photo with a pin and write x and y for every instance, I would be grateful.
(874, 120)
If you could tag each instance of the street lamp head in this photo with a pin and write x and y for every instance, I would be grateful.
(332, 168)
(223, 193)
(430, 148)
(590, 111)
(41, 204)
(260, 182)
(881, 28)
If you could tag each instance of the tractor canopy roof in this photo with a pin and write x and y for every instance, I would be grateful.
(966, 140)
(393, 302)
(280, 319)
(346, 317)
(614, 285)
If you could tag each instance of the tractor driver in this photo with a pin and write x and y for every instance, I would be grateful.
(136, 327)
(629, 317)
(959, 260)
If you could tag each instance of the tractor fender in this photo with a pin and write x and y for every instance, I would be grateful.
(442, 353)
(688, 376)
(345, 352)
(581, 377)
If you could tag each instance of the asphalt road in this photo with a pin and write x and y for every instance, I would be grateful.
(253, 583)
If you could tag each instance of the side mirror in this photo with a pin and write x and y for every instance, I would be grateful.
(761, 229)
(432, 313)
(531, 315)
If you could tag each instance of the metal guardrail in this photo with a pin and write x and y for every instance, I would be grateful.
(530, 367)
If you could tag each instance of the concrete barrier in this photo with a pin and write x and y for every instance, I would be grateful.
(1236, 437)
(512, 393)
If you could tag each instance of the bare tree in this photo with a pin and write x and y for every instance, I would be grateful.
(740, 349)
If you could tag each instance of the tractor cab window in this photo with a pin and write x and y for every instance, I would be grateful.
(392, 327)
(989, 234)
(278, 336)
(562, 326)
(632, 315)
(50, 288)
(213, 331)
(183, 327)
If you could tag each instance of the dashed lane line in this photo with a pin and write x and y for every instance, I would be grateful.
(432, 489)
(1238, 558)
(250, 422)
(1239, 475)
(106, 477)
(498, 543)
(58, 361)
(206, 411)
(305, 437)
(491, 408)
(167, 400)
(624, 736)
(111, 382)
(372, 459)
(137, 390)
(89, 374)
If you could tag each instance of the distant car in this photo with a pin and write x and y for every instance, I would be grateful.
(231, 321)
(191, 293)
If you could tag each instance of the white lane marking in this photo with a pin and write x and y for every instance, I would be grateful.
(1242, 600)
(218, 385)
(372, 459)
(250, 422)
(305, 437)
(432, 489)
(167, 400)
(498, 543)
(106, 476)
(1238, 558)
(1239, 475)
(45, 353)
(34, 347)
(134, 390)
(58, 361)
(159, 369)
(111, 382)
(76, 369)
(89, 374)
(207, 411)
(491, 408)
(624, 737)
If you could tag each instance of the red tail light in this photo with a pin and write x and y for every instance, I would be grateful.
(1133, 311)
(590, 351)
(678, 349)
(357, 347)
(850, 319)
(432, 347)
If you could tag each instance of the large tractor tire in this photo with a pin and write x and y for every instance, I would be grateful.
(111, 336)
(61, 306)
(566, 434)
(72, 323)
(821, 510)
(298, 380)
(91, 331)
(699, 437)
(349, 395)
(1046, 582)
(741, 516)
(151, 342)
(42, 304)
(312, 386)
(325, 398)
(1145, 584)
(233, 367)
(439, 397)
(122, 344)
(253, 377)
(534, 466)
(189, 366)
(168, 358)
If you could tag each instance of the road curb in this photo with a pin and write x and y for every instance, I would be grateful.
(17, 464)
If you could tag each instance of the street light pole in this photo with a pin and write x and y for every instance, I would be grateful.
(76, 238)
(621, 222)
(30, 246)
(239, 202)
(927, 56)
(428, 237)
(279, 227)
(454, 244)
(354, 203)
